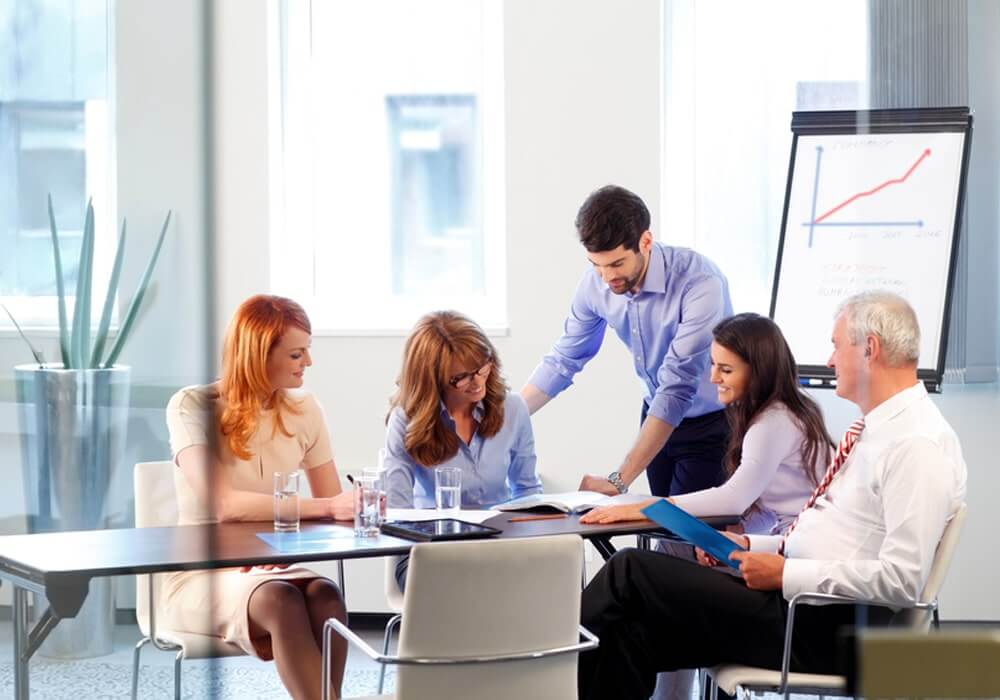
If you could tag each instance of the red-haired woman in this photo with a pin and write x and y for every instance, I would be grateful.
(228, 440)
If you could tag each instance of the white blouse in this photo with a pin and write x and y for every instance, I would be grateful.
(770, 475)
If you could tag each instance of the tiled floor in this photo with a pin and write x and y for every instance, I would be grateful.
(126, 636)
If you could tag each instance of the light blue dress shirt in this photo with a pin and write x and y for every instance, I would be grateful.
(494, 469)
(667, 327)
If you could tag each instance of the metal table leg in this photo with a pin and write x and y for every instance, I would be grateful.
(604, 546)
(26, 642)
(22, 690)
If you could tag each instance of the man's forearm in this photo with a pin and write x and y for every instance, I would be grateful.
(652, 437)
(534, 397)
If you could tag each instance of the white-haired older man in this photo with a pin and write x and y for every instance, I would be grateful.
(869, 532)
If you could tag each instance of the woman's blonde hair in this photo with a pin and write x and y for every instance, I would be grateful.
(256, 327)
(439, 339)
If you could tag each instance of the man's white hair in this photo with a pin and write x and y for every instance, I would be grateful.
(888, 317)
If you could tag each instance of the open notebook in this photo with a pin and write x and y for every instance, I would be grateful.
(571, 501)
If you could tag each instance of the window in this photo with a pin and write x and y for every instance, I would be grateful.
(733, 75)
(389, 176)
(54, 139)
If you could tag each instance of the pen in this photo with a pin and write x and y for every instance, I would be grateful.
(526, 518)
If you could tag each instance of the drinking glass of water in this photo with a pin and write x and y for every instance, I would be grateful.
(380, 484)
(448, 489)
(286, 501)
(367, 506)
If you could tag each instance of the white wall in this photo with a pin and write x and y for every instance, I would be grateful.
(582, 101)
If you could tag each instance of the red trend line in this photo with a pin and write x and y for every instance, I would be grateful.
(896, 181)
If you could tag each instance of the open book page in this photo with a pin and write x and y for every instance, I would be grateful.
(571, 501)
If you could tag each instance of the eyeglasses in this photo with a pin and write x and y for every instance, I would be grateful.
(460, 381)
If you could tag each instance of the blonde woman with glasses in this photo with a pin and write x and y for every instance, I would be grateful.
(454, 409)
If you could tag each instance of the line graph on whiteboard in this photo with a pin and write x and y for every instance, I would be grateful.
(834, 216)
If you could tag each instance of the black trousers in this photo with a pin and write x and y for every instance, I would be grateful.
(692, 458)
(654, 612)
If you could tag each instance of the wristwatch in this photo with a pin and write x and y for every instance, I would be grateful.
(616, 480)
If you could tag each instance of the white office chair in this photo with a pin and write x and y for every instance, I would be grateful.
(156, 506)
(733, 679)
(394, 599)
(487, 620)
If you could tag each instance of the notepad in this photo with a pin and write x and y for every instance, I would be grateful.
(693, 531)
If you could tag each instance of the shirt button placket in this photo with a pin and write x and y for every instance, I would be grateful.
(633, 319)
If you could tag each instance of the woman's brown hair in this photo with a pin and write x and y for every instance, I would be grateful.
(439, 339)
(256, 327)
(773, 378)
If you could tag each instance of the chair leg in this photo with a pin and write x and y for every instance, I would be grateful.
(393, 623)
(135, 665)
(177, 674)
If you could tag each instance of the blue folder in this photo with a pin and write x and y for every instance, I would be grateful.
(693, 531)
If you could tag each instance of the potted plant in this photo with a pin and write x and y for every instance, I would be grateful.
(73, 416)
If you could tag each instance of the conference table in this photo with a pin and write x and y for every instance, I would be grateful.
(60, 565)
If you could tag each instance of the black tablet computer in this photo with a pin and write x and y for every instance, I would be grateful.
(435, 530)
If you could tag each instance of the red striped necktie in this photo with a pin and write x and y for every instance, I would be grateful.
(843, 449)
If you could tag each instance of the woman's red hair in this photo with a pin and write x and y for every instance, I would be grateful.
(256, 327)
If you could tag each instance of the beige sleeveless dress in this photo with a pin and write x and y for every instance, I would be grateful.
(215, 602)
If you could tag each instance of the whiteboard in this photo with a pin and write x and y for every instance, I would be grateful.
(864, 211)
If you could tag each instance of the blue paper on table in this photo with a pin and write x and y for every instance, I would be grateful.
(693, 531)
(306, 542)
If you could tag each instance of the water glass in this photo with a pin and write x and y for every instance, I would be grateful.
(380, 484)
(286, 501)
(448, 489)
(367, 506)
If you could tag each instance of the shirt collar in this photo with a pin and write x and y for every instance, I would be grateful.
(477, 413)
(656, 275)
(894, 405)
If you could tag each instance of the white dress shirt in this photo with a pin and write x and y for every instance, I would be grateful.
(874, 533)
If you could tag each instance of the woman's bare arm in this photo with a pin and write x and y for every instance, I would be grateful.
(204, 475)
(324, 482)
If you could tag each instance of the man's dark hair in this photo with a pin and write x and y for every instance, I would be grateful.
(612, 216)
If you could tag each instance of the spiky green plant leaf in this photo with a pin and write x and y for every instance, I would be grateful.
(63, 325)
(133, 308)
(109, 301)
(39, 357)
(80, 340)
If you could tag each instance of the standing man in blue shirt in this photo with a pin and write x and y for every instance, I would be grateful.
(663, 303)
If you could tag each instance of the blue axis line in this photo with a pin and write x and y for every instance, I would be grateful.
(812, 215)
(812, 224)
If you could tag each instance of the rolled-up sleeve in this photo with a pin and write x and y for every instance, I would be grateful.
(398, 464)
(702, 307)
(521, 476)
(582, 336)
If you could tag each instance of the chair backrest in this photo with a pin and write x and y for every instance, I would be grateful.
(479, 598)
(921, 619)
(393, 596)
(155, 506)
